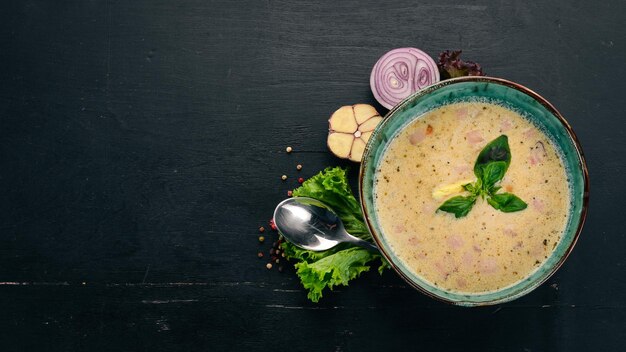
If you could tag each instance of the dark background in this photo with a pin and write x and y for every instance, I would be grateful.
(142, 143)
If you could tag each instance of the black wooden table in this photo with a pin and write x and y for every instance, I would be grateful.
(142, 143)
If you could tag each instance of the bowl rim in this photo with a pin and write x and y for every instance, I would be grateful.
(548, 106)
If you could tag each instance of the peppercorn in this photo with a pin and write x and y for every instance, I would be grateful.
(298, 167)
(268, 265)
(277, 261)
(300, 180)
(261, 239)
(272, 225)
(260, 255)
(261, 229)
(282, 254)
(277, 252)
(289, 193)
(280, 268)
(289, 149)
(283, 177)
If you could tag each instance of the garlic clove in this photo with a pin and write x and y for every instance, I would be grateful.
(363, 112)
(370, 124)
(340, 144)
(358, 147)
(343, 120)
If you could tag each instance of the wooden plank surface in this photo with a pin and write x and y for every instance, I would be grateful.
(142, 143)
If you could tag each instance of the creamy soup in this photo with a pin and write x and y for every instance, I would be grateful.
(487, 249)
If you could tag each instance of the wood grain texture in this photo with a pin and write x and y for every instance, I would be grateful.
(142, 143)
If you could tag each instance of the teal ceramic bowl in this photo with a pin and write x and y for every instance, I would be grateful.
(510, 95)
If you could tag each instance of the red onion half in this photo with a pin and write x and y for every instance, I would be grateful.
(401, 72)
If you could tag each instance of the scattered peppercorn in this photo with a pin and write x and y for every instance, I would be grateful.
(298, 167)
(289, 149)
(277, 252)
(283, 177)
(289, 193)
(277, 261)
(280, 268)
(261, 239)
(282, 254)
(268, 265)
(260, 255)
(272, 225)
(261, 229)
(300, 180)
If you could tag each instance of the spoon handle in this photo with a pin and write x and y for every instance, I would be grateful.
(362, 243)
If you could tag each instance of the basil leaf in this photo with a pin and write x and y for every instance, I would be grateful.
(459, 205)
(492, 173)
(507, 202)
(496, 150)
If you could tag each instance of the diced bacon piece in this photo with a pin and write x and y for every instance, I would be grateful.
(473, 112)
(468, 259)
(538, 204)
(461, 113)
(417, 137)
(534, 160)
(474, 137)
(537, 154)
(529, 133)
(442, 270)
(509, 232)
(455, 241)
(505, 125)
(537, 250)
(488, 266)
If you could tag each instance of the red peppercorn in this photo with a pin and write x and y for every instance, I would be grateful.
(260, 254)
(289, 193)
(272, 225)
(300, 180)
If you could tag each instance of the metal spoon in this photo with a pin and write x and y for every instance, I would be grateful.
(311, 224)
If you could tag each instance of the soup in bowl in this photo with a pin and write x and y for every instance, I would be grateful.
(475, 190)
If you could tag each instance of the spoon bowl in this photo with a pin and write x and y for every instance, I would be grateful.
(312, 225)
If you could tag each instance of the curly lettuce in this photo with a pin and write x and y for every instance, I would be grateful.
(336, 266)
(451, 65)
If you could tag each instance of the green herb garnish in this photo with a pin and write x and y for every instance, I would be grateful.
(340, 264)
(490, 167)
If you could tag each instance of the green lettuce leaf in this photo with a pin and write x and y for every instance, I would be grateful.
(333, 270)
(331, 187)
(339, 265)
